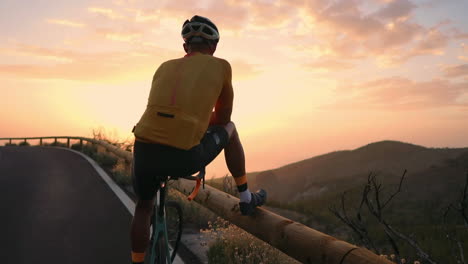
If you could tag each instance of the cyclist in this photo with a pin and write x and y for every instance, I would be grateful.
(179, 133)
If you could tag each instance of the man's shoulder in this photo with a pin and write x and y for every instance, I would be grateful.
(171, 61)
(223, 62)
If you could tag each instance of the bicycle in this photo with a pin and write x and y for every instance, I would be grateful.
(164, 240)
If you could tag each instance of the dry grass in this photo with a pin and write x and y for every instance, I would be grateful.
(232, 245)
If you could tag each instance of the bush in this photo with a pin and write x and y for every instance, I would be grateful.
(105, 160)
(10, 144)
(24, 143)
(89, 150)
(56, 144)
(77, 146)
(121, 177)
(232, 245)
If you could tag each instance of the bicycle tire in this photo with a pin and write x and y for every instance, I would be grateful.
(174, 224)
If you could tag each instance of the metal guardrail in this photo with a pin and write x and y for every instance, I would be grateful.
(294, 239)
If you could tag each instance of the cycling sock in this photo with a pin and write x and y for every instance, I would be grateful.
(138, 258)
(245, 196)
(243, 189)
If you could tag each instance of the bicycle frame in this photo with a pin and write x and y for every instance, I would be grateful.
(159, 225)
(159, 221)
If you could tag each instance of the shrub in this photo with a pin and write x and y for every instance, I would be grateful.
(24, 143)
(77, 146)
(56, 144)
(106, 160)
(89, 150)
(10, 144)
(232, 245)
(121, 177)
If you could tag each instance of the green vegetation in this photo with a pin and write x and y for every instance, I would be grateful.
(10, 144)
(24, 144)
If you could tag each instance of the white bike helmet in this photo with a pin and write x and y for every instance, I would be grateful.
(199, 29)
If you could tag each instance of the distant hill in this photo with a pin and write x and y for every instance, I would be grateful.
(304, 191)
(429, 169)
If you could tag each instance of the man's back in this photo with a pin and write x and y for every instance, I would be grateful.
(183, 94)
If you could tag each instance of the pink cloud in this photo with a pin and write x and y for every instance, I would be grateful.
(389, 34)
(396, 9)
(456, 71)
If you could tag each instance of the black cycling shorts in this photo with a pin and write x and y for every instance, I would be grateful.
(154, 162)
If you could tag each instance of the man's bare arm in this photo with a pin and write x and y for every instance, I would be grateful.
(223, 107)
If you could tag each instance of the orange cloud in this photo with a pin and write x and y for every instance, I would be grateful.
(96, 67)
(119, 35)
(64, 22)
(243, 70)
(226, 14)
(397, 93)
(329, 64)
(106, 12)
(40, 52)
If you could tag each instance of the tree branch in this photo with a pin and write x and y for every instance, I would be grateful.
(397, 191)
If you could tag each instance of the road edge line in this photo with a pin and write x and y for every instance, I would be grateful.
(123, 197)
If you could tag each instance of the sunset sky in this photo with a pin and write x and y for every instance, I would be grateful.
(310, 77)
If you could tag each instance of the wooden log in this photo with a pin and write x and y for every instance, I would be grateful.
(296, 240)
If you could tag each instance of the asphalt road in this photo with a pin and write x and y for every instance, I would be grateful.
(55, 208)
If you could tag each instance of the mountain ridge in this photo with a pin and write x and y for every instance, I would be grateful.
(344, 169)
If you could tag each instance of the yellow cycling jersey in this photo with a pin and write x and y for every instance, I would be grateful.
(183, 94)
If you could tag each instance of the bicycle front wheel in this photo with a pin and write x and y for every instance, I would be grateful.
(174, 224)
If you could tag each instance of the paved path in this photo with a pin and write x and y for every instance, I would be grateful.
(55, 208)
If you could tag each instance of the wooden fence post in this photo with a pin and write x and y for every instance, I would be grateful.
(40, 142)
(55, 141)
(68, 142)
(81, 143)
(10, 141)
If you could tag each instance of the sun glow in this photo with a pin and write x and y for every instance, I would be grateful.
(309, 77)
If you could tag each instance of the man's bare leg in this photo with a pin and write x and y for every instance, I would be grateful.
(235, 161)
(140, 229)
(234, 152)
